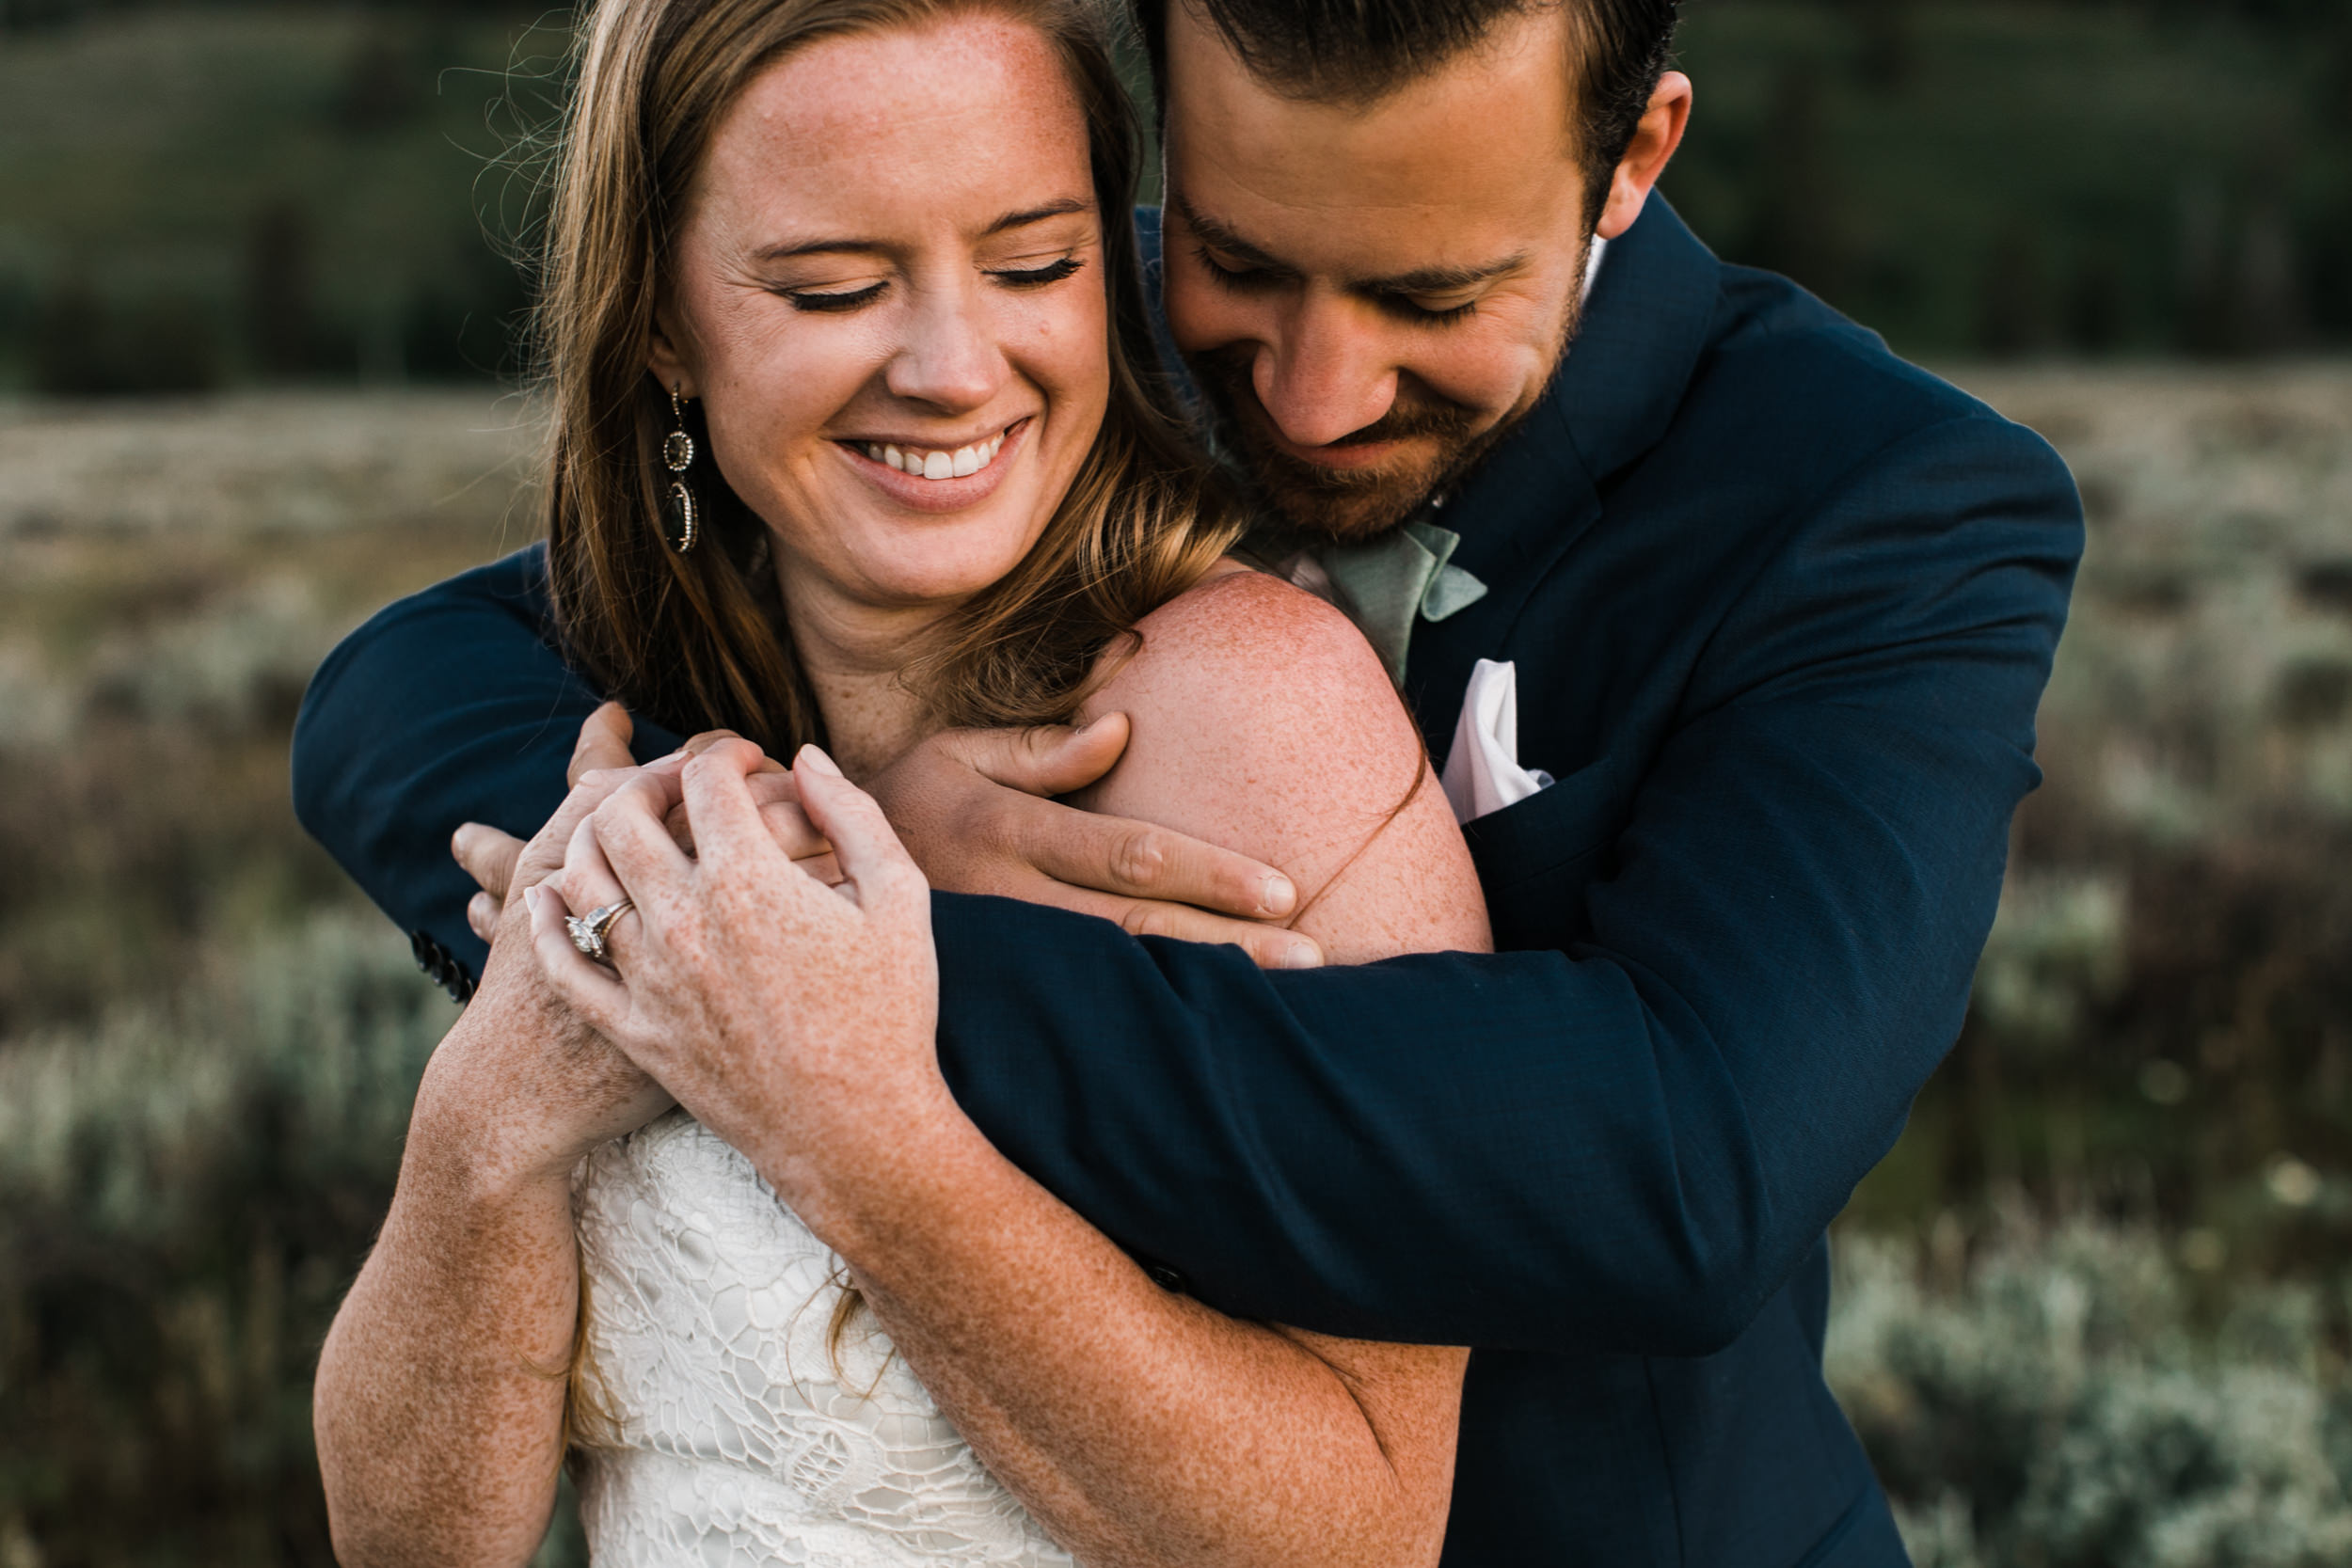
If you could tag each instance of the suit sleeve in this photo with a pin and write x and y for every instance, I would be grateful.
(1630, 1145)
(1627, 1146)
(449, 706)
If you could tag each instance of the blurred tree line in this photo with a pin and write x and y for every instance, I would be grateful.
(2066, 177)
(192, 197)
(203, 193)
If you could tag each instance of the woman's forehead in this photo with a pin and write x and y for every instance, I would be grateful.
(965, 104)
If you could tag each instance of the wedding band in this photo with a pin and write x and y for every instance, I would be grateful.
(588, 930)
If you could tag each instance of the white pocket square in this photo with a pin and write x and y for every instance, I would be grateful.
(1483, 773)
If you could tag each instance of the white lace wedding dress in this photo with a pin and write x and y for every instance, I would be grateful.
(736, 1440)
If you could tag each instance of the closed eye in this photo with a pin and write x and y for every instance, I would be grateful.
(1036, 277)
(1406, 308)
(843, 299)
(1239, 280)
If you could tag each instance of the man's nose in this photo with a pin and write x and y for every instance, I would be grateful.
(951, 358)
(1323, 376)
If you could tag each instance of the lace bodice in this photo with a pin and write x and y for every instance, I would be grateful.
(737, 1440)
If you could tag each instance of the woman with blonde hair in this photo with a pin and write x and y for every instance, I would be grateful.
(856, 437)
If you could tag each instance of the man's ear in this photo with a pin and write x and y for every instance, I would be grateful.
(1645, 158)
(665, 359)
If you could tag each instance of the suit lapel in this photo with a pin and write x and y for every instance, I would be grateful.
(1645, 327)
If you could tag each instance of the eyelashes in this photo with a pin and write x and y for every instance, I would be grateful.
(848, 299)
(1032, 278)
(852, 299)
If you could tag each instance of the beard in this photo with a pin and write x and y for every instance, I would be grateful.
(1352, 504)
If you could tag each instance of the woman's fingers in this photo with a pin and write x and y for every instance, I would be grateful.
(873, 862)
(588, 884)
(592, 992)
(726, 819)
(631, 830)
(778, 799)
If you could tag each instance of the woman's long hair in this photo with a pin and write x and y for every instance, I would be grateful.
(699, 641)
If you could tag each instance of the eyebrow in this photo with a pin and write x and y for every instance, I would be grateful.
(1011, 221)
(1420, 280)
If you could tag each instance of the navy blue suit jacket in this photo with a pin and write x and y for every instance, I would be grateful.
(1782, 608)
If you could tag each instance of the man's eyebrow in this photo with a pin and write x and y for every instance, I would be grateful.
(1444, 280)
(845, 245)
(1420, 280)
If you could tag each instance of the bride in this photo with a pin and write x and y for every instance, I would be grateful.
(855, 439)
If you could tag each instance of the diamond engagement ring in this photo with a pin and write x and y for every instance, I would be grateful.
(588, 930)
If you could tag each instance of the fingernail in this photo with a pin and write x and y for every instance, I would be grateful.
(1302, 954)
(814, 756)
(531, 899)
(1276, 895)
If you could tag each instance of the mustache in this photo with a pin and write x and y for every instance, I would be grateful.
(1225, 374)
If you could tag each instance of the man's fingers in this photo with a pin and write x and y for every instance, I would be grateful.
(1138, 860)
(487, 855)
(603, 743)
(697, 745)
(481, 917)
(1051, 759)
(778, 796)
(1268, 946)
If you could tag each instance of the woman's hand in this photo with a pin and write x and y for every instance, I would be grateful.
(524, 1083)
(503, 865)
(794, 1018)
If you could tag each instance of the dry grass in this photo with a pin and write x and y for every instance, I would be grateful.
(169, 576)
(206, 1054)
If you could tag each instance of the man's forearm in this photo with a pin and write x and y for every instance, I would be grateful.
(440, 1403)
(1139, 1426)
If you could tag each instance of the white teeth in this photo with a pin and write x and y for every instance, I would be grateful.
(938, 465)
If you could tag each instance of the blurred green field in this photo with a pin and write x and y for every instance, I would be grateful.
(2094, 1310)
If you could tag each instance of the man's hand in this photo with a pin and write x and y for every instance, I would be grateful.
(975, 808)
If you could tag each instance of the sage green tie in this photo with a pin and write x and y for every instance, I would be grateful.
(1389, 581)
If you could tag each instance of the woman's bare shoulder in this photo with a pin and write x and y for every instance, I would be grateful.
(1240, 621)
(1262, 721)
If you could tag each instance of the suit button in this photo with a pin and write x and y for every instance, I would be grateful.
(1166, 1278)
(426, 950)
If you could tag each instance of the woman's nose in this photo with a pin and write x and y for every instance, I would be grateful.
(951, 358)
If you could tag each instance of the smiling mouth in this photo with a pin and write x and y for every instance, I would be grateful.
(938, 463)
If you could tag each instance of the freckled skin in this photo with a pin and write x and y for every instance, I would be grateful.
(797, 1020)
(1139, 1426)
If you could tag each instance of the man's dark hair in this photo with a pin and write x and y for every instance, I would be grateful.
(1356, 51)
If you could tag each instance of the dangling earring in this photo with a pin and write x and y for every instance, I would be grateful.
(682, 523)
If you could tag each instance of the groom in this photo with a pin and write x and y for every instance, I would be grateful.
(1781, 609)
